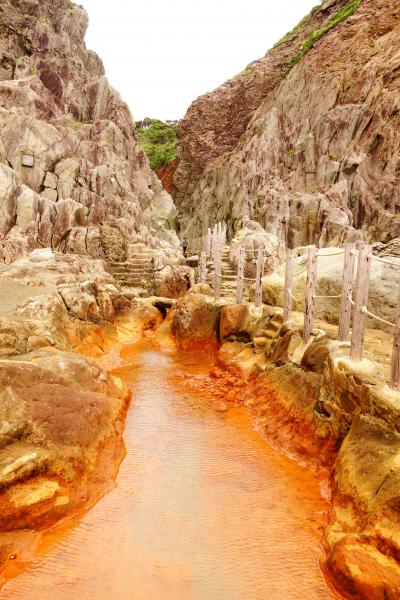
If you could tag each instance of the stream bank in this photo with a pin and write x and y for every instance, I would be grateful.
(203, 507)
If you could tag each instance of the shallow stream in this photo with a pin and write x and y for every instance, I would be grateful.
(203, 508)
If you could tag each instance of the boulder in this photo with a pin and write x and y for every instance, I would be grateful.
(244, 322)
(172, 281)
(195, 320)
(252, 236)
(49, 455)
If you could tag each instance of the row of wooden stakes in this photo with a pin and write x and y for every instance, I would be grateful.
(356, 309)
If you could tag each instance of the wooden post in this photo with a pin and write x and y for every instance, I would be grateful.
(287, 311)
(347, 288)
(203, 267)
(217, 272)
(240, 274)
(224, 234)
(214, 241)
(395, 375)
(310, 291)
(208, 247)
(260, 265)
(360, 301)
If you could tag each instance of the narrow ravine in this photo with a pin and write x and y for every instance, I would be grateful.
(203, 508)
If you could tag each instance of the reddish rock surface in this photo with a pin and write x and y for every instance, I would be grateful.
(166, 175)
(312, 154)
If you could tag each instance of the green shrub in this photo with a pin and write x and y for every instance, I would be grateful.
(158, 140)
(298, 29)
(316, 35)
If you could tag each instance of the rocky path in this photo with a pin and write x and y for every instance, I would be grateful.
(203, 509)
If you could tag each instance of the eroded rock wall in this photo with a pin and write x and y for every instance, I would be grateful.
(312, 152)
(72, 175)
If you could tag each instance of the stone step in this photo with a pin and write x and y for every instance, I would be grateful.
(145, 266)
(135, 259)
(132, 278)
(121, 270)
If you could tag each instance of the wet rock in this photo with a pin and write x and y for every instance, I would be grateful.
(46, 451)
(364, 572)
(195, 320)
(219, 406)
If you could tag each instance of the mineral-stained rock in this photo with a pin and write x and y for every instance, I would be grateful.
(367, 479)
(306, 139)
(172, 281)
(195, 320)
(48, 453)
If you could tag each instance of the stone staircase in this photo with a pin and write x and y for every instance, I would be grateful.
(229, 275)
(135, 272)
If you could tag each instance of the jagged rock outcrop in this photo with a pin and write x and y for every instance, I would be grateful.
(306, 140)
(72, 175)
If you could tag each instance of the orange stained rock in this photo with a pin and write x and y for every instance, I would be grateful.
(203, 509)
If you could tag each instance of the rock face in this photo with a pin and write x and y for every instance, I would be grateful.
(72, 175)
(305, 141)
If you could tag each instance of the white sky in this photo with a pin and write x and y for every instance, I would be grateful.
(161, 55)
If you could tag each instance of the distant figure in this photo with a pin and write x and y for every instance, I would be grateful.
(184, 246)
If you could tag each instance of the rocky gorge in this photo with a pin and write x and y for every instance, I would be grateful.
(300, 148)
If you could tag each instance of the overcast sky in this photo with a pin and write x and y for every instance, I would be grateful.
(162, 55)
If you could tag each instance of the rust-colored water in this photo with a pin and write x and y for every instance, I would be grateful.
(204, 509)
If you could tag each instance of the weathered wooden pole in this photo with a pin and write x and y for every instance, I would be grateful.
(347, 289)
(224, 234)
(240, 274)
(217, 272)
(203, 267)
(259, 274)
(395, 374)
(214, 241)
(310, 292)
(360, 301)
(287, 311)
(208, 242)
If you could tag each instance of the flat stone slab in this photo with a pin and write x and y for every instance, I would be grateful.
(13, 293)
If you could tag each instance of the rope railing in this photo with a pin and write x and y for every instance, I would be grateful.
(351, 309)
(374, 316)
(334, 297)
(355, 309)
(387, 262)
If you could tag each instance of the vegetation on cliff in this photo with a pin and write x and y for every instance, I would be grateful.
(316, 35)
(158, 140)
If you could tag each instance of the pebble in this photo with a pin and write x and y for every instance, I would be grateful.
(219, 406)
